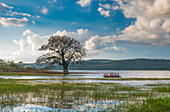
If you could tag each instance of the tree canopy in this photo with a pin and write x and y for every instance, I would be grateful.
(61, 50)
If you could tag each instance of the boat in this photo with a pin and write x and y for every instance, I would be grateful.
(112, 75)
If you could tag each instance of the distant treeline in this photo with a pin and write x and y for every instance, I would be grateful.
(10, 66)
(129, 64)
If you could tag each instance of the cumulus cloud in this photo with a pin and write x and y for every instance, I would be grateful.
(160, 7)
(166, 25)
(9, 11)
(81, 34)
(6, 6)
(106, 6)
(25, 56)
(44, 10)
(94, 45)
(104, 12)
(84, 3)
(27, 32)
(152, 25)
(28, 51)
(13, 21)
(34, 41)
(118, 48)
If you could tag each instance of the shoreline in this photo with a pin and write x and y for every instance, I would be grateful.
(44, 72)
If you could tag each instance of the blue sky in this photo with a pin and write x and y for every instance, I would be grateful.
(109, 29)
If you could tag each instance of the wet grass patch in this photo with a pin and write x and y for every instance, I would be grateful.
(162, 89)
(68, 95)
(157, 85)
(151, 105)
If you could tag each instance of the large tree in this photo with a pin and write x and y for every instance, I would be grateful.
(62, 50)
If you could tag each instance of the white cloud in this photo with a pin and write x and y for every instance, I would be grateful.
(37, 16)
(33, 22)
(118, 48)
(152, 25)
(13, 21)
(10, 12)
(115, 7)
(94, 43)
(106, 6)
(28, 51)
(32, 43)
(13, 13)
(84, 3)
(104, 12)
(23, 14)
(166, 25)
(6, 6)
(97, 45)
(27, 32)
(81, 34)
(160, 7)
(44, 10)
(25, 56)
(51, 1)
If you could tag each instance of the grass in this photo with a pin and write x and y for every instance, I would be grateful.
(119, 87)
(162, 89)
(151, 105)
(157, 85)
(14, 86)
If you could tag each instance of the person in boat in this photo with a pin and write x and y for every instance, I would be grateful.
(111, 74)
(117, 74)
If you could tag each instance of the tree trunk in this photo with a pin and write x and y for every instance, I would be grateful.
(65, 70)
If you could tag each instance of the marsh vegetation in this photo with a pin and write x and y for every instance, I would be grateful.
(33, 95)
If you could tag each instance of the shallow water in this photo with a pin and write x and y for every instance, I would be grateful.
(99, 74)
(131, 83)
(54, 102)
(98, 106)
(127, 73)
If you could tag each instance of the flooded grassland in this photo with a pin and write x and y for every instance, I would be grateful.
(58, 94)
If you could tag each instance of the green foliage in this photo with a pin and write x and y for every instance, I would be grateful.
(152, 105)
(6, 66)
(162, 89)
